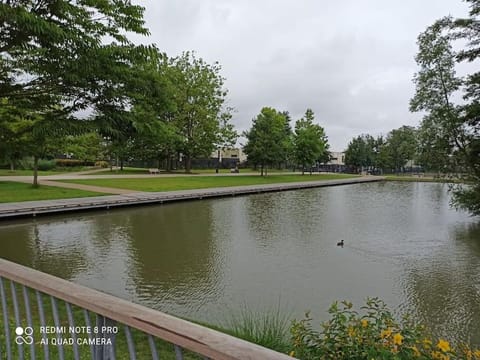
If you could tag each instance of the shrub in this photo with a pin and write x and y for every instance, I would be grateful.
(373, 335)
(72, 162)
(45, 165)
(102, 164)
(25, 164)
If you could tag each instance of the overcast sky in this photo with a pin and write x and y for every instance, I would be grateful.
(350, 61)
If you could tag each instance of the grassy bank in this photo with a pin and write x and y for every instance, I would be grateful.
(157, 183)
(56, 171)
(420, 179)
(143, 171)
(5, 172)
(13, 192)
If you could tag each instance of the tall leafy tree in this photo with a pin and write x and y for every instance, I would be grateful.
(360, 152)
(401, 146)
(450, 132)
(310, 141)
(199, 96)
(468, 31)
(266, 138)
(60, 57)
(443, 131)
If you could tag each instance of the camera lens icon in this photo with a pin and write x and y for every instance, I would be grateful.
(24, 335)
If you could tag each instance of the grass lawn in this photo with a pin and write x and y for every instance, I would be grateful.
(420, 179)
(8, 172)
(129, 171)
(202, 182)
(13, 192)
(125, 171)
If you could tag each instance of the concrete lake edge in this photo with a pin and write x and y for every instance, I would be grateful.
(46, 207)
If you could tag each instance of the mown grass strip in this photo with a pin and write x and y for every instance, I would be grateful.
(202, 182)
(420, 179)
(15, 192)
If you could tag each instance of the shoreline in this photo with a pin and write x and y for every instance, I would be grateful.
(47, 207)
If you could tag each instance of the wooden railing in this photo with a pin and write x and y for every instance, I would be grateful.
(64, 329)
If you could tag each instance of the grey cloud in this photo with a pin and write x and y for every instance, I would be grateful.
(350, 61)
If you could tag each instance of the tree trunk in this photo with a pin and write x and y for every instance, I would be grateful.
(12, 165)
(121, 164)
(261, 170)
(188, 163)
(35, 171)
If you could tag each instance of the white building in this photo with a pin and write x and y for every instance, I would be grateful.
(231, 153)
(336, 158)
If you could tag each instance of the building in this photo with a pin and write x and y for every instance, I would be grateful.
(230, 153)
(336, 158)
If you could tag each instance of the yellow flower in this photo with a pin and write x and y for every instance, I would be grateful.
(351, 331)
(415, 351)
(386, 333)
(292, 353)
(364, 322)
(476, 353)
(468, 354)
(397, 339)
(427, 343)
(439, 356)
(443, 345)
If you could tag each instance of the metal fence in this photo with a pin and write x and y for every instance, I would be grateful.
(47, 317)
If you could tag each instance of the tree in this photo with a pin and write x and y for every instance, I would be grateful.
(227, 135)
(48, 44)
(199, 97)
(442, 130)
(266, 138)
(468, 31)
(401, 146)
(55, 59)
(310, 141)
(360, 152)
(450, 132)
(86, 147)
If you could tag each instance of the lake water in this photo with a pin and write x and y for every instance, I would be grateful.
(205, 259)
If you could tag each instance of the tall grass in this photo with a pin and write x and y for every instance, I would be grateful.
(269, 328)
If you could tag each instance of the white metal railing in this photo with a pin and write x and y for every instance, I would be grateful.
(76, 322)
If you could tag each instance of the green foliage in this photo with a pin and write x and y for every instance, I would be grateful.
(56, 61)
(390, 153)
(45, 165)
(72, 163)
(442, 131)
(372, 333)
(267, 139)
(269, 329)
(85, 147)
(401, 146)
(449, 133)
(361, 152)
(310, 141)
(199, 95)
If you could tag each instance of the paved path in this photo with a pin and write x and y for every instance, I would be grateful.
(42, 207)
(92, 188)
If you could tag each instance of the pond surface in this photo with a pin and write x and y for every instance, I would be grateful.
(206, 259)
